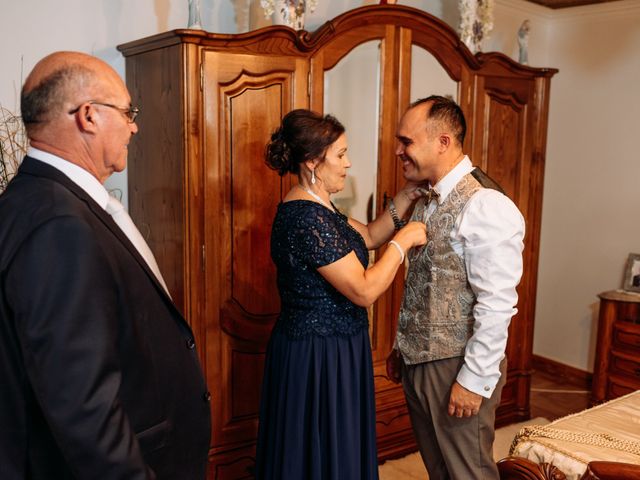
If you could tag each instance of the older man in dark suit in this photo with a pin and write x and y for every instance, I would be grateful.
(99, 377)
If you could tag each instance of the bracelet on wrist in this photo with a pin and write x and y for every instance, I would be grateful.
(400, 250)
(397, 223)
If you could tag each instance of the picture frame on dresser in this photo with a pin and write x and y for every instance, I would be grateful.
(632, 273)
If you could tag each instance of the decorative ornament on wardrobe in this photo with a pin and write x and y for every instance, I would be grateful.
(476, 22)
(288, 12)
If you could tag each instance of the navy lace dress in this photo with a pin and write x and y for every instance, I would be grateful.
(317, 414)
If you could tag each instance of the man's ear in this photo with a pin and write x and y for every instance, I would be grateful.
(86, 118)
(445, 141)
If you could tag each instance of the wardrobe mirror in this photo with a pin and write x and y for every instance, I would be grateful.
(428, 77)
(352, 95)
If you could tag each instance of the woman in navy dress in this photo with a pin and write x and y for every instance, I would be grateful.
(317, 415)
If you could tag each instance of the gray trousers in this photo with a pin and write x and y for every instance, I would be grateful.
(452, 448)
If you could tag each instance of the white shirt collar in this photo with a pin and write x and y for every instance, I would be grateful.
(78, 175)
(451, 179)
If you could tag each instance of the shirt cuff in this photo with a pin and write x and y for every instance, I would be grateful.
(483, 386)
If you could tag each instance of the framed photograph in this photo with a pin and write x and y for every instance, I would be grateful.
(632, 273)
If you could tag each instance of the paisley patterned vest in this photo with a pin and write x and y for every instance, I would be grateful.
(436, 318)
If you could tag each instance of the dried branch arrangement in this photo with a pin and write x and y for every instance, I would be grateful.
(13, 145)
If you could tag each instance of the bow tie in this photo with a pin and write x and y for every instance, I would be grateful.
(428, 194)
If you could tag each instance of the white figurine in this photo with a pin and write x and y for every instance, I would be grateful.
(194, 15)
(523, 42)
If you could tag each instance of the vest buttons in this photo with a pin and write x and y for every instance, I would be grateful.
(206, 397)
(191, 343)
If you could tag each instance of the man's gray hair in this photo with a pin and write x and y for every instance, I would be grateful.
(48, 98)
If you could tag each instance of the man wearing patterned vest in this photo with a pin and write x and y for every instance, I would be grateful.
(460, 295)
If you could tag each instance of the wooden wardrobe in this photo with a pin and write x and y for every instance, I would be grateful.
(201, 193)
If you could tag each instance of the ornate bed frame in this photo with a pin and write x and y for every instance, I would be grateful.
(517, 468)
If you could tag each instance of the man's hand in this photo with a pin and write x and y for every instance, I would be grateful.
(394, 372)
(462, 402)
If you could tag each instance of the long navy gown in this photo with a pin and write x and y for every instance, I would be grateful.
(317, 414)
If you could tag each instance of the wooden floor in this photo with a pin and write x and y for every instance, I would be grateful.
(553, 397)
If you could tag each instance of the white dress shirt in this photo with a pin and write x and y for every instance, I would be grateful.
(488, 235)
(76, 174)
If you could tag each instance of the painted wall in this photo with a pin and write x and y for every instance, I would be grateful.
(30, 29)
(594, 113)
(593, 122)
(590, 218)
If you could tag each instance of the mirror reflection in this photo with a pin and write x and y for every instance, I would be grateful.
(351, 94)
(428, 77)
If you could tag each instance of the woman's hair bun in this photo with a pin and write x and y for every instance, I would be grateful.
(278, 153)
(303, 135)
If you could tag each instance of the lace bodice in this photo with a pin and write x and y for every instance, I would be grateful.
(306, 236)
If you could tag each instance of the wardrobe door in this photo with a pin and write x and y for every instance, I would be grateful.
(354, 77)
(503, 146)
(245, 96)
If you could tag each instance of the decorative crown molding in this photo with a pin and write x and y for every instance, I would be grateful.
(599, 11)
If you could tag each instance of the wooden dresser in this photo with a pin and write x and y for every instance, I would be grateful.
(617, 366)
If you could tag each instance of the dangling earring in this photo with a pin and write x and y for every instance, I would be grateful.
(313, 177)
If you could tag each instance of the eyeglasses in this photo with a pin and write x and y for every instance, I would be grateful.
(130, 112)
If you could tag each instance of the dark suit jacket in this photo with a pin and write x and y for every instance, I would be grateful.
(99, 377)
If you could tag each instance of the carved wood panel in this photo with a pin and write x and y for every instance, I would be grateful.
(502, 147)
(246, 97)
(503, 139)
(502, 154)
(252, 109)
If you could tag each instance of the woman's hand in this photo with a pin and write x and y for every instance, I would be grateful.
(410, 190)
(413, 234)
